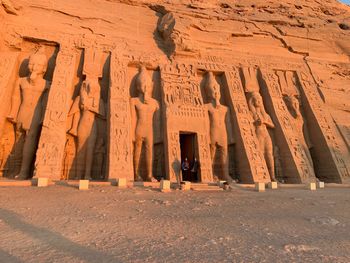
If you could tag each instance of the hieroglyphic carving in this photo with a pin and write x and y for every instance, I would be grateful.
(53, 135)
(298, 167)
(184, 111)
(119, 134)
(7, 65)
(253, 167)
(339, 162)
(174, 156)
(204, 154)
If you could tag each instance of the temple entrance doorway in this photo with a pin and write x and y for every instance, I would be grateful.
(189, 150)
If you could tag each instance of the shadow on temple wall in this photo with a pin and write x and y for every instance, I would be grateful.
(51, 239)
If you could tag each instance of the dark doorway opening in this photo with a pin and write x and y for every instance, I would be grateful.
(188, 144)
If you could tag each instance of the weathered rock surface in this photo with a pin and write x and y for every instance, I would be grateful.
(294, 53)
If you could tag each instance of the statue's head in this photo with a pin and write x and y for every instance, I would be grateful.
(256, 100)
(213, 88)
(293, 104)
(144, 82)
(37, 63)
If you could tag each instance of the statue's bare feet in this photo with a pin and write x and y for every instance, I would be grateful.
(21, 176)
(138, 179)
(152, 179)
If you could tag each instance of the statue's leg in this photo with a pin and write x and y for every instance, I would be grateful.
(90, 143)
(137, 155)
(29, 149)
(75, 123)
(80, 157)
(149, 159)
(270, 162)
(224, 163)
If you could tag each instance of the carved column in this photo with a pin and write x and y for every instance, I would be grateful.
(252, 165)
(331, 152)
(8, 61)
(120, 155)
(297, 167)
(53, 135)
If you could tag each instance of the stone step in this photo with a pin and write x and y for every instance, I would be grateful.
(7, 182)
(205, 187)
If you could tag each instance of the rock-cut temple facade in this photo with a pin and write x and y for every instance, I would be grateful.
(201, 91)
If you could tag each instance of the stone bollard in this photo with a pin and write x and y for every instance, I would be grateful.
(311, 186)
(260, 187)
(121, 182)
(320, 185)
(185, 186)
(165, 186)
(83, 184)
(272, 185)
(42, 182)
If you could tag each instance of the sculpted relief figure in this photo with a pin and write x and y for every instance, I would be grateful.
(294, 106)
(28, 107)
(86, 108)
(292, 100)
(218, 132)
(262, 121)
(142, 110)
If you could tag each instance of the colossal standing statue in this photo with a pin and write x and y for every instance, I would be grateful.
(262, 121)
(28, 107)
(294, 107)
(142, 110)
(218, 132)
(85, 109)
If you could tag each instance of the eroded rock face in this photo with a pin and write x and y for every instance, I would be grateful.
(247, 90)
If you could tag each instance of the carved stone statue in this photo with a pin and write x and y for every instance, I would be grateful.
(28, 107)
(86, 108)
(142, 110)
(262, 121)
(218, 133)
(294, 106)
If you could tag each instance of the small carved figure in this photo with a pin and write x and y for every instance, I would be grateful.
(278, 164)
(294, 106)
(262, 121)
(28, 107)
(68, 158)
(85, 109)
(100, 151)
(218, 132)
(142, 110)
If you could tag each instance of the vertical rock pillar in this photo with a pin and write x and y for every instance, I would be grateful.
(330, 151)
(53, 135)
(252, 165)
(120, 154)
(297, 168)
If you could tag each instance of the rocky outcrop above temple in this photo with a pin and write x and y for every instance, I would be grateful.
(246, 90)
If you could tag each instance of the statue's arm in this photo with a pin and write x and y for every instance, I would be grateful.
(268, 121)
(15, 102)
(229, 127)
(133, 118)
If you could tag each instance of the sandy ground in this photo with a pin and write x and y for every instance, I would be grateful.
(107, 224)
